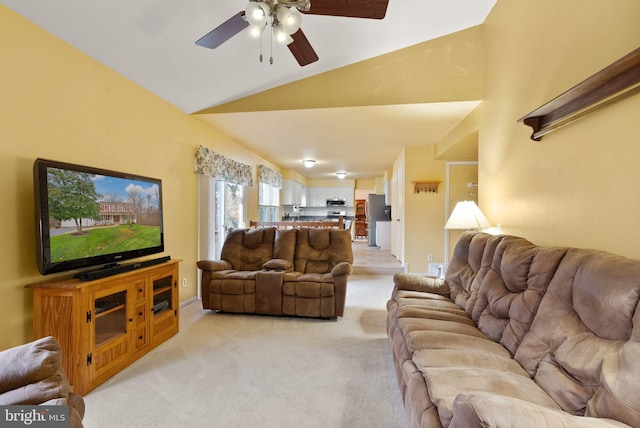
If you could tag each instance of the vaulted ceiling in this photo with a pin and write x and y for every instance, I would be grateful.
(378, 86)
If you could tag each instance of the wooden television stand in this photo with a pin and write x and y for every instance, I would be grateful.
(106, 324)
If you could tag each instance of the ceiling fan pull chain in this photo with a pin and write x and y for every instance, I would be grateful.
(271, 53)
(261, 43)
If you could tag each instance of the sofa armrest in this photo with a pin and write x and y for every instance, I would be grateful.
(489, 410)
(29, 363)
(425, 284)
(278, 264)
(342, 268)
(214, 265)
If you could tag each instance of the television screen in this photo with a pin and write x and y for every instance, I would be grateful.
(89, 216)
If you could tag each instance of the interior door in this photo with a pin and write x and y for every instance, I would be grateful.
(397, 211)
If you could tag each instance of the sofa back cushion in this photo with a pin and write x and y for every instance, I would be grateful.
(499, 281)
(510, 292)
(584, 337)
(318, 250)
(285, 244)
(248, 249)
(471, 260)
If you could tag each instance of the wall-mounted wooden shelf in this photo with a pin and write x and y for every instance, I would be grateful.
(426, 186)
(614, 83)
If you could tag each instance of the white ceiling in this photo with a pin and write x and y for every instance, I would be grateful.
(153, 44)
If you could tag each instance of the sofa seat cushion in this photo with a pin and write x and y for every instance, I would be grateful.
(404, 298)
(483, 410)
(444, 384)
(425, 339)
(434, 314)
(308, 289)
(419, 295)
(221, 274)
(236, 282)
(408, 325)
(424, 358)
(308, 277)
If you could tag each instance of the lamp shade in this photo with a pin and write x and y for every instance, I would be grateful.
(467, 215)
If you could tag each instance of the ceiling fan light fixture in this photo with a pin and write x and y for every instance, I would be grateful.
(256, 31)
(289, 18)
(309, 163)
(281, 35)
(257, 13)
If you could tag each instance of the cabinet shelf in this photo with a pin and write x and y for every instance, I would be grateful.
(109, 311)
(105, 336)
(157, 291)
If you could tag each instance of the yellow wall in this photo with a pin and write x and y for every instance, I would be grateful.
(579, 186)
(289, 174)
(56, 103)
(424, 215)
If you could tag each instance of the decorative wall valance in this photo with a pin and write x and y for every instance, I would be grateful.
(222, 168)
(269, 176)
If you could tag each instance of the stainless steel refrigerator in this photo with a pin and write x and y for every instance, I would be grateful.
(375, 212)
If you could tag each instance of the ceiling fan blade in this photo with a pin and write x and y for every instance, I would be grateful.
(224, 31)
(373, 9)
(301, 49)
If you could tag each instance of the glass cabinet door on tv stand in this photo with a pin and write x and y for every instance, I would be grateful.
(108, 328)
(105, 324)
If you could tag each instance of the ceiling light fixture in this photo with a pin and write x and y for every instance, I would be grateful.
(341, 175)
(282, 16)
(309, 163)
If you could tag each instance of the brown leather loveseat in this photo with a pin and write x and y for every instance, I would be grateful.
(519, 335)
(298, 272)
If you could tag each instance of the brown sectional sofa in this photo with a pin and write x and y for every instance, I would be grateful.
(32, 374)
(519, 335)
(297, 272)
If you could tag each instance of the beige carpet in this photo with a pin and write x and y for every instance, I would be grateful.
(226, 370)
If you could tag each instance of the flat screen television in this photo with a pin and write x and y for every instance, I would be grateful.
(87, 217)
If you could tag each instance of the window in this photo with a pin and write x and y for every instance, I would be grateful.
(268, 202)
(222, 207)
(229, 211)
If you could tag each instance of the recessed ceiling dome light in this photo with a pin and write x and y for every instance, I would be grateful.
(341, 175)
(309, 163)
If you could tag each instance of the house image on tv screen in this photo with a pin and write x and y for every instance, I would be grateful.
(111, 213)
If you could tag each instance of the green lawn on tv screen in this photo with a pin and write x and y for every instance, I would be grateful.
(103, 240)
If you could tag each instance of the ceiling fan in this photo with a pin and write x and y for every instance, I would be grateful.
(283, 17)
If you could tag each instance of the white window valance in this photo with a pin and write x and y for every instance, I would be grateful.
(269, 176)
(222, 168)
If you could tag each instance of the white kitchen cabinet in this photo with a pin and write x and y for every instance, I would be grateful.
(286, 193)
(292, 193)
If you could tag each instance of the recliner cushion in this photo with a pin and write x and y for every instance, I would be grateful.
(248, 249)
